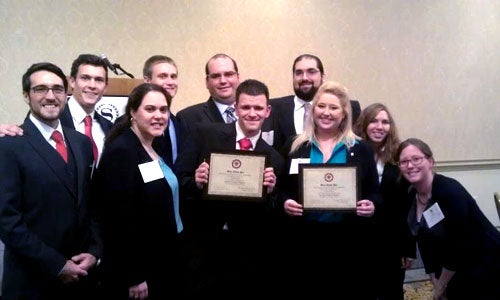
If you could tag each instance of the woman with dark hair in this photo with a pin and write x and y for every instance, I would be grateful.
(376, 125)
(459, 247)
(137, 193)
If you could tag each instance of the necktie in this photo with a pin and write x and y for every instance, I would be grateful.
(88, 132)
(230, 118)
(307, 111)
(60, 147)
(245, 144)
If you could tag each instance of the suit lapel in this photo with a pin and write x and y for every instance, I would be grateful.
(228, 137)
(78, 152)
(66, 118)
(103, 122)
(288, 125)
(49, 154)
(212, 112)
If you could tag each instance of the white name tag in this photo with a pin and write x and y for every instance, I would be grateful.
(150, 171)
(268, 137)
(433, 215)
(294, 165)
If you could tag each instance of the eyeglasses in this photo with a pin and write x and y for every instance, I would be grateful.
(217, 76)
(417, 160)
(309, 72)
(42, 90)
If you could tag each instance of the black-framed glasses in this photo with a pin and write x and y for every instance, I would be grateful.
(416, 160)
(309, 72)
(42, 90)
(217, 76)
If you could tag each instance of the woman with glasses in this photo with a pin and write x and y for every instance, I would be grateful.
(459, 247)
(376, 126)
(329, 253)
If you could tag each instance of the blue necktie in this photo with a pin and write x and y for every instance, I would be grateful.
(174, 186)
(230, 117)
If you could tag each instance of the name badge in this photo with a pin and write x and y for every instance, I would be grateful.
(294, 165)
(150, 171)
(433, 215)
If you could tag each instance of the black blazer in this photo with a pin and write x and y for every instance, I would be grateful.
(464, 241)
(281, 119)
(206, 112)
(214, 138)
(138, 220)
(390, 215)
(44, 213)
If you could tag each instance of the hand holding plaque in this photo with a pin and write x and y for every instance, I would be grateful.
(328, 187)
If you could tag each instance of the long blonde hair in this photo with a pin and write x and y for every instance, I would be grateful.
(347, 136)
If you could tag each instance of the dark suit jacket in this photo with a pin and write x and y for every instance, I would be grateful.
(44, 214)
(213, 138)
(138, 221)
(67, 120)
(165, 142)
(205, 112)
(281, 119)
(390, 214)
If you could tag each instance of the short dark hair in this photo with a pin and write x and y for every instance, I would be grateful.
(220, 55)
(252, 87)
(43, 66)
(309, 56)
(88, 59)
(134, 101)
(147, 71)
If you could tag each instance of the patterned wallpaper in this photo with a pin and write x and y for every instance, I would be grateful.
(435, 63)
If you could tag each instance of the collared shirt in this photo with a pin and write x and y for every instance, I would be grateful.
(173, 139)
(298, 114)
(78, 114)
(46, 130)
(240, 135)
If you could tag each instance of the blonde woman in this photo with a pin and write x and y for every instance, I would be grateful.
(334, 243)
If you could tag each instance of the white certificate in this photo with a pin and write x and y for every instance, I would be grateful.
(328, 187)
(238, 175)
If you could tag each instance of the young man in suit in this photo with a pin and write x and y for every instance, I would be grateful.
(236, 237)
(288, 113)
(162, 70)
(51, 240)
(221, 80)
(88, 80)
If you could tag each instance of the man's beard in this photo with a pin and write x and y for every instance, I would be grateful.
(306, 96)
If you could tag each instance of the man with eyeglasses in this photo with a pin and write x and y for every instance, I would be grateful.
(288, 113)
(221, 80)
(88, 80)
(51, 239)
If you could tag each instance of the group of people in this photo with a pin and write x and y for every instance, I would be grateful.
(95, 210)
